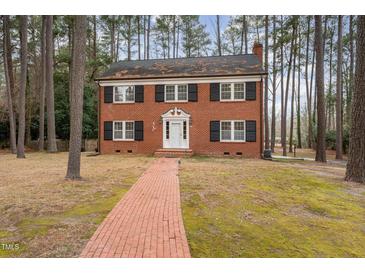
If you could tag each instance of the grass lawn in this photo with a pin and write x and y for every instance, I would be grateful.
(257, 208)
(307, 153)
(47, 216)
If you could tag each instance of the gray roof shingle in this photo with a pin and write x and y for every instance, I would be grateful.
(229, 65)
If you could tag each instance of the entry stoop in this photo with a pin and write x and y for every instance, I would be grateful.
(173, 152)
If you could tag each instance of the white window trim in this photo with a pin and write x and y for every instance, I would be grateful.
(232, 132)
(124, 95)
(123, 131)
(232, 92)
(176, 93)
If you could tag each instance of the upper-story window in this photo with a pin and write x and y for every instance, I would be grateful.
(124, 94)
(232, 91)
(176, 93)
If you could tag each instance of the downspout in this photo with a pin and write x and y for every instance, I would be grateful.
(262, 120)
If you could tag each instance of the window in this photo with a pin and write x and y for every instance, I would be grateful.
(184, 130)
(239, 131)
(239, 91)
(182, 93)
(176, 93)
(118, 130)
(167, 130)
(233, 131)
(170, 93)
(123, 94)
(129, 130)
(232, 91)
(226, 91)
(123, 130)
(226, 131)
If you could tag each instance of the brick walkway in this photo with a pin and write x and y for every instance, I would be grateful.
(147, 221)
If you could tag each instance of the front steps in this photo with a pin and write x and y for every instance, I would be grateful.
(173, 152)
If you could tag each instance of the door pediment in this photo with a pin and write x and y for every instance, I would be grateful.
(175, 113)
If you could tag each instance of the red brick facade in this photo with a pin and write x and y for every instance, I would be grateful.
(202, 112)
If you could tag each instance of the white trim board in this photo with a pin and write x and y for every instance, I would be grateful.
(167, 81)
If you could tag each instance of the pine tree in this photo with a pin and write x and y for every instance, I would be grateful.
(23, 84)
(321, 109)
(77, 94)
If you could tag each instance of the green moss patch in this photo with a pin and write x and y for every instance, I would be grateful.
(255, 208)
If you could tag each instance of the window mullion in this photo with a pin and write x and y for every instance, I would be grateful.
(123, 130)
(176, 93)
(232, 131)
(232, 91)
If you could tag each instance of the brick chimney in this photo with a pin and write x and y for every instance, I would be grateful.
(257, 50)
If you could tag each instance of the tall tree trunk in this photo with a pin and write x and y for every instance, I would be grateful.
(246, 30)
(77, 95)
(244, 35)
(351, 74)
(178, 39)
(8, 72)
(139, 36)
(287, 89)
(355, 170)
(219, 36)
(339, 92)
(129, 39)
(51, 128)
(293, 96)
(148, 36)
(282, 80)
(266, 95)
(174, 36)
(23, 84)
(112, 39)
(321, 108)
(329, 103)
(313, 91)
(299, 134)
(43, 85)
(309, 99)
(274, 72)
(70, 42)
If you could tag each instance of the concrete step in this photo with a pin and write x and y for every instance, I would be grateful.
(173, 153)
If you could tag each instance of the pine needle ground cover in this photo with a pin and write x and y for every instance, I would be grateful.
(257, 208)
(43, 215)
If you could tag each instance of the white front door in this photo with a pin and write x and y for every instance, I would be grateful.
(176, 133)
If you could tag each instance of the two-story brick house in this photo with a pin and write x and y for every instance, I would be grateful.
(205, 105)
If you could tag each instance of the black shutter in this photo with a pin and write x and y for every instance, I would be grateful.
(108, 94)
(250, 131)
(193, 92)
(139, 94)
(108, 130)
(215, 131)
(214, 91)
(250, 91)
(138, 130)
(159, 93)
